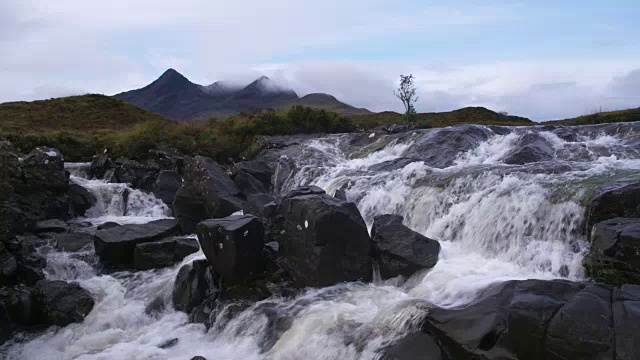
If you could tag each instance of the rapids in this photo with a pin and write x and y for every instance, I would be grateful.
(495, 221)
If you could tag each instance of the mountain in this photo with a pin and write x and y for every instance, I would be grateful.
(172, 95)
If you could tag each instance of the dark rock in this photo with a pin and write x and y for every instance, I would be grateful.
(107, 225)
(322, 240)
(618, 202)
(8, 266)
(304, 190)
(257, 169)
(195, 283)
(61, 303)
(53, 225)
(73, 241)
(167, 185)
(614, 256)
(583, 327)
(44, 167)
(131, 172)
(414, 346)
(81, 199)
(99, 166)
(255, 204)
(167, 159)
(626, 319)
(340, 194)
(18, 302)
(398, 128)
(169, 343)
(565, 134)
(402, 251)
(188, 209)
(116, 246)
(158, 254)
(211, 185)
(248, 185)
(233, 246)
(531, 147)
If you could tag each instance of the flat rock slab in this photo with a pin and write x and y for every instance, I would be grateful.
(116, 246)
(73, 241)
(53, 225)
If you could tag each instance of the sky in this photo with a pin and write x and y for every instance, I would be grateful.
(540, 59)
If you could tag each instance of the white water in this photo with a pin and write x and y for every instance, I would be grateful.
(495, 222)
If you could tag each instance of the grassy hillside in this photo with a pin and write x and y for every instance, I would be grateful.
(601, 117)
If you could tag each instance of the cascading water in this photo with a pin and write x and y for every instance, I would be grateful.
(495, 220)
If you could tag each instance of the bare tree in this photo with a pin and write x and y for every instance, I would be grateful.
(406, 92)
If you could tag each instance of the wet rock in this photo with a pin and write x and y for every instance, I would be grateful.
(322, 240)
(255, 205)
(565, 134)
(391, 165)
(194, 283)
(81, 199)
(305, 190)
(398, 128)
(73, 242)
(61, 303)
(167, 185)
(167, 159)
(44, 167)
(620, 202)
(626, 319)
(531, 147)
(258, 170)
(18, 302)
(248, 185)
(169, 343)
(414, 346)
(401, 251)
(233, 246)
(107, 225)
(614, 255)
(132, 172)
(8, 266)
(116, 246)
(159, 254)
(211, 185)
(188, 209)
(53, 225)
(99, 166)
(340, 194)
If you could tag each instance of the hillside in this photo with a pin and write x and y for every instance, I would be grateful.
(94, 114)
(601, 117)
(172, 95)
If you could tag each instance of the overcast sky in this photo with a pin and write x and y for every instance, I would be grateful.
(543, 59)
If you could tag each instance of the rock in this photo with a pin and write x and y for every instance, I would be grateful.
(531, 147)
(169, 343)
(304, 190)
(81, 199)
(195, 283)
(53, 225)
(255, 205)
(167, 159)
(132, 172)
(73, 242)
(18, 302)
(323, 241)
(626, 319)
(583, 327)
(8, 266)
(219, 194)
(29, 262)
(233, 246)
(248, 185)
(99, 166)
(158, 254)
(398, 128)
(61, 303)
(402, 251)
(107, 225)
(116, 246)
(620, 202)
(44, 167)
(167, 185)
(414, 346)
(257, 169)
(340, 194)
(188, 209)
(614, 256)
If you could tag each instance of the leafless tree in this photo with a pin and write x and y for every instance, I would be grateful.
(407, 93)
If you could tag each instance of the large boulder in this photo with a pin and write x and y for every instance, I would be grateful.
(532, 147)
(81, 199)
(249, 185)
(16, 310)
(29, 262)
(626, 321)
(257, 169)
(8, 266)
(116, 246)
(100, 165)
(188, 208)
(167, 185)
(233, 246)
(614, 256)
(44, 167)
(323, 240)
(256, 204)
(621, 202)
(401, 251)
(195, 283)
(61, 303)
(219, 194)
(159, 254)
(73, 242)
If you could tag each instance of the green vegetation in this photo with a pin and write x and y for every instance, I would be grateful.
(81, 126)
(406, 92)
(601, 118)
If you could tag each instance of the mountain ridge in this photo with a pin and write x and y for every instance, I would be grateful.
(174, 96)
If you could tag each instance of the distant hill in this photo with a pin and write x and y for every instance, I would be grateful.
(601, 117)
(86, 114)
(172, 95)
